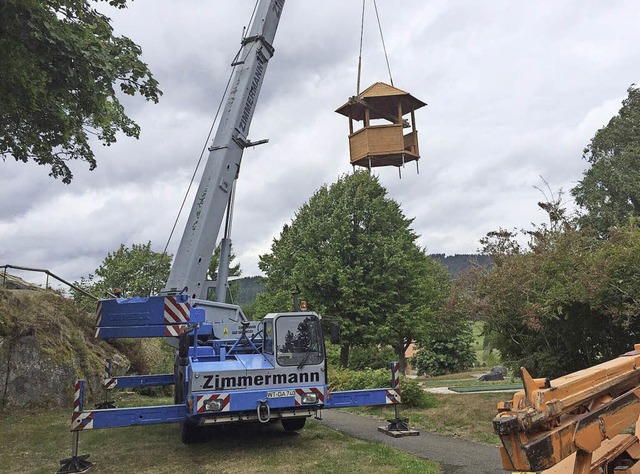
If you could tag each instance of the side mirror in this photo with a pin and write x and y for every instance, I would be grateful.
(335, 332)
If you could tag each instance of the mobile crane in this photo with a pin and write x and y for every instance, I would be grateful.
(227, 368)
(578, 423)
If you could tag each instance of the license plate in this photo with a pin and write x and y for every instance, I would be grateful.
(281, 394)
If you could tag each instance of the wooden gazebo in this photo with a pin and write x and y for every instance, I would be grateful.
(382, 143)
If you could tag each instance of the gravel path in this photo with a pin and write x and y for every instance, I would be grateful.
(456, 456)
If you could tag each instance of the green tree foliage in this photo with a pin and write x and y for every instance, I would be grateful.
(371, 357)
(234, 271)
(411, 392)
(567, 301)
(137, 271)
(445, 356)
(448, 347)
(421, 286)
(61, 65)
(266, 302)
(353, 254)
(609, 191)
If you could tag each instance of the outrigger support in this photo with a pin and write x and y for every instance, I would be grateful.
(106, 404)
(76, 464)
(397, 426)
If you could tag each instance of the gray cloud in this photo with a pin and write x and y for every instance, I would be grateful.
(515, 91)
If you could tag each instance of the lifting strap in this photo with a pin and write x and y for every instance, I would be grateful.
(384, 47)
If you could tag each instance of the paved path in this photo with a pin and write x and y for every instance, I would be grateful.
(456, 456)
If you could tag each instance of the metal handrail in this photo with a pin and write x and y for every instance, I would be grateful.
(49, 274)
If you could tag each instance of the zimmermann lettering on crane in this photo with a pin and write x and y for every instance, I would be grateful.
(217, 382)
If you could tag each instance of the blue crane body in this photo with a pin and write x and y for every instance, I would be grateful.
(227, 369)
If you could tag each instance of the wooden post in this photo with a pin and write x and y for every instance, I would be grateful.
(415, 133)
(366, 117)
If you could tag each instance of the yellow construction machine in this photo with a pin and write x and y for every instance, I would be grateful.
(581, 423)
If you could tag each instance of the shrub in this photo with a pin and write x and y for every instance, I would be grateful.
(411, 392)
(413, 395)
(445, 357)
(341, 379)
(371, 357)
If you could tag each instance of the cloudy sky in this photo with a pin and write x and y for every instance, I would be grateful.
(515, 91)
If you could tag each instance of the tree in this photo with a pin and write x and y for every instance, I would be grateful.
(609, 191)
(137, 271)
(60, 65)
(566, 301)
(448, 346)
(421, 286)
(234, 271)
(354, 256)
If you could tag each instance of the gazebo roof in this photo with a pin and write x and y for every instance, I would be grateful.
(382, 100)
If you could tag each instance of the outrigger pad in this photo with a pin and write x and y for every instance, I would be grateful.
(76, 464)
(398, 427)
(398, 424)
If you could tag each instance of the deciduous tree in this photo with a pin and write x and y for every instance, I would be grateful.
(61, 68)
(354, 256)
(609, 191)
(567, 301)
(137, 271)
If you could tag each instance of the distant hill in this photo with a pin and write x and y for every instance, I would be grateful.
(458, 263)
(249, 288)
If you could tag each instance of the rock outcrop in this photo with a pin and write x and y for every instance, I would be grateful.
(46, 343)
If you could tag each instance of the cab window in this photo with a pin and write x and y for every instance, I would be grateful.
(299, 340)
(267, 345)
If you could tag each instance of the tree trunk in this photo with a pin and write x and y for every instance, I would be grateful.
(344, 355)
(402, 360)
(402, 363)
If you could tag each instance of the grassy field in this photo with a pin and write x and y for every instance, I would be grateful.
(466, 416)
(485, 356)
(34, 441)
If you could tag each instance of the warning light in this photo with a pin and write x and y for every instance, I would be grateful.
(303, 305)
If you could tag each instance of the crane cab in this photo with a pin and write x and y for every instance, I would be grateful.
(382, 140)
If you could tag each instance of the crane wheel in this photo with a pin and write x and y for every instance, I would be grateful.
(293, 424)
(191, 433)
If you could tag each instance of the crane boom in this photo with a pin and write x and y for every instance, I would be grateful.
(215, 191)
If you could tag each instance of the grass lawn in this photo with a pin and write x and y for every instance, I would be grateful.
(467, 416)
(34, 441)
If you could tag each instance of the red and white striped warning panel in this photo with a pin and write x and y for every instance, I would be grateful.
(225, 398)
(175, 311)
(395, 375)
(392, 397)
(109, 383)
(82, 421)
(77, 397)
(174, 329)
(300, 392)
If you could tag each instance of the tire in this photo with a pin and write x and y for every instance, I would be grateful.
(293, 424)
(178, 387)
(191, 433)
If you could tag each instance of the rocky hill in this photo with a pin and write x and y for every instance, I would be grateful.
(47, 342)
